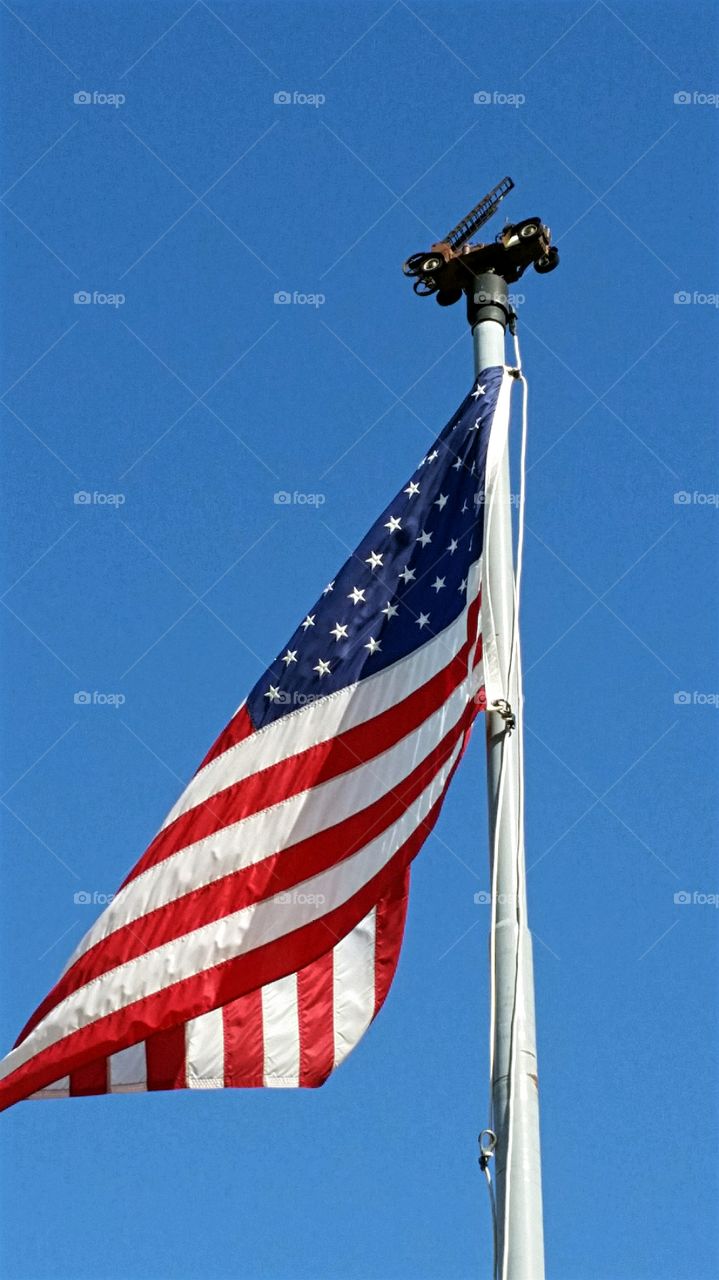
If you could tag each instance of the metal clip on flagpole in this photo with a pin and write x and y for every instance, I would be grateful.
(482, 272)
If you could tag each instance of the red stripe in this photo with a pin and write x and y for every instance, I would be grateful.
(90, 1078)
(213, 987)
(389, 931)
(166, 1061)
(240, 727)
(244, 1043)
(272, 875)
(316, 1019)
(307, 768)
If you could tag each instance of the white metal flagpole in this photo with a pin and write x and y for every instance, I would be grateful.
(452, 267)
(514, 1086)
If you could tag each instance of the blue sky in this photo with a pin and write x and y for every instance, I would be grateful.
(187, 406)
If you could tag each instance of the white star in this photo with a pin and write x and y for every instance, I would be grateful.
(433, 455)
(356, 595)
(290, 656)
(374, 560)
(339, 631)
(407, 575)
(456, 465)
(438, 583)
(452, 546)
(390, 610)
(330, 587)
(411, 489)
(477, 425)
(373, 645)
(424, 538)
(308, 622)
(273, 693)
(479, 392)
(441, 501)
(322, 668)
(422, 620)
(463, 585)
(393, 524)
(464, 507)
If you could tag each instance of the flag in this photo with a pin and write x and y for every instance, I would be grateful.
(257, 936)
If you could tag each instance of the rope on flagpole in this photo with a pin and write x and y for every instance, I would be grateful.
(514, 664)
(512, 721)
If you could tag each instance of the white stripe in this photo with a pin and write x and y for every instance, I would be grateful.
(263, 834)
(205, 1051)
(128, 1069)
(224, 939)
(322, 720)
(281, 1033)
(353, 984)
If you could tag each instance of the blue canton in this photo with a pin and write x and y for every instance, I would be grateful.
(406, 581)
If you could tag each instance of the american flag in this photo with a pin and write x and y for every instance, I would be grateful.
(257, 936)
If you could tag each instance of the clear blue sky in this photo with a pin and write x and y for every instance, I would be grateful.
(198, 398)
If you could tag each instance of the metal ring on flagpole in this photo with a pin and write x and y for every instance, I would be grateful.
(487, 1145)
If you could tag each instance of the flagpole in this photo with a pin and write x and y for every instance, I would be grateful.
(514, 1087)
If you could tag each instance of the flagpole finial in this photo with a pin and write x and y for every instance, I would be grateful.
(452, 266)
